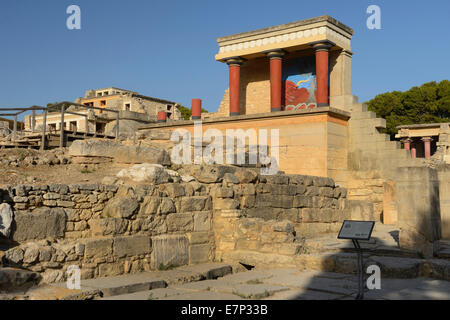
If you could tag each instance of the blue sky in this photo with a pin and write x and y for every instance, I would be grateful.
(166, 49)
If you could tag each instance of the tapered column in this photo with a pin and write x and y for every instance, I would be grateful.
(321, 50)
(413, 150)
(427, 146)
(234, 65)
(276, 69)
(407, 144)
(196, 109)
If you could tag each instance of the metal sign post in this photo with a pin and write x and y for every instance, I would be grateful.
(357, 230)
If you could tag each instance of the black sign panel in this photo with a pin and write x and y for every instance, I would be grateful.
(356, 230)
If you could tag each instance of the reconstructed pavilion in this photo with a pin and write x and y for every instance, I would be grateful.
(424, 140)
(299, 65)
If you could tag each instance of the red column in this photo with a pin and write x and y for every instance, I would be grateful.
(196, 109)
(162, 116)
(407, 144)
(235, 85)
(276, 67)
(413, 150)
(321, 51)
(427, 146)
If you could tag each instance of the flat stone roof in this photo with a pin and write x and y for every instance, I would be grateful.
(290, 37)
(421, 125)
(286, 26)
(305, 112)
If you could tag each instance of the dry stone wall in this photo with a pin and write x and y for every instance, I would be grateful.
(210, 212)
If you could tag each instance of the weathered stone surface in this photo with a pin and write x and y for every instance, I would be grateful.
(132, 246)
(120, 153)
(109, 180)
(360, 210)
(31, 254)
(225, 204)
(173, 190)
(166, 206)
(230, 178)
(277, 179)
(397, 267)
(269, 200)
(210, 173)
(6, 218)
(97, 248)
(121, 208)
(93, 148)
(42, 223)
(180, 222)
(223, 192)
(246, 176)
(419, 215)
(12, 280)
(198, 237)
(187, 178)
(107, 226)
(150, 206)
(15, 255)
(265, 213)
(146, 172)
(202, 221)
(169, 250)
(196, 203)
(283, 226)
(137, 154)
(199, 253)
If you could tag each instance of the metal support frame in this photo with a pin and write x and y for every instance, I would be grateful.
(360, 295)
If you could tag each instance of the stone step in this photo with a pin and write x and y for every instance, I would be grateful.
(444, 254)
(391, 267)
(144, 281)
(373, 247)
(359, 107)
(17, 280)
(362, 115)
(363, 140)
(361, 123)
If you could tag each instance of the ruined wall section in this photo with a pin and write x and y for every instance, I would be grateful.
(372, 157)
(214, 211)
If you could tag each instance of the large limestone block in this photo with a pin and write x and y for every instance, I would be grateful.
(418, 209)
(42, 223)
(169, 250)
(209, 173)
(107, 226)
(180, 222)
(132, 246)
(136, 154)
(14, 280)
(146, 172)
(199, 253)
(121, 208)
(6, 218)
(444, 195)
(390, 213)
(98, 248)
(93, 148)
(102, 148)
(360, 210)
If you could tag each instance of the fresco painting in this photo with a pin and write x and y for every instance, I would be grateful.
(299, 84)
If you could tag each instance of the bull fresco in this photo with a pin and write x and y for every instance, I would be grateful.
(299, 83)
